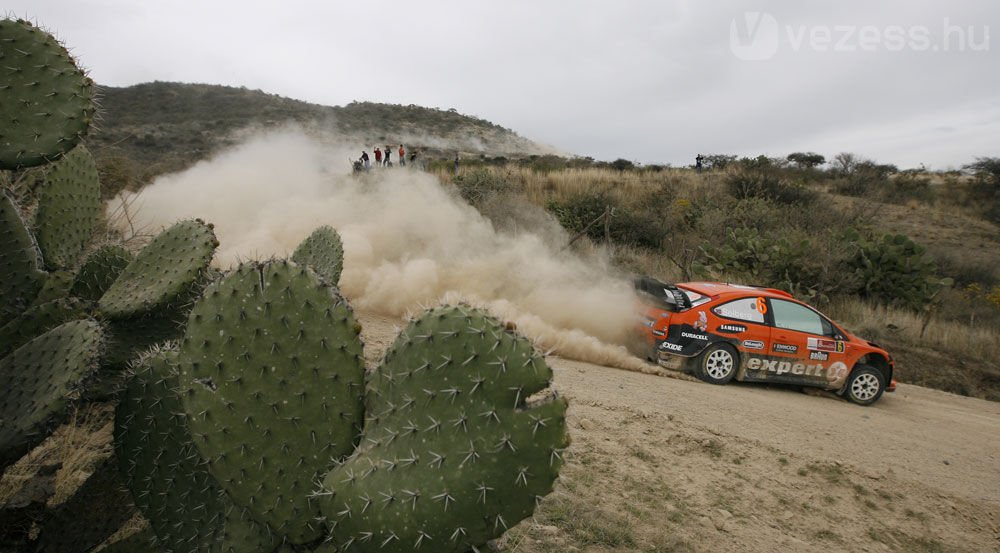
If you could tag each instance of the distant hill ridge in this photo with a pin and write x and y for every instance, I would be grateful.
(177, 124)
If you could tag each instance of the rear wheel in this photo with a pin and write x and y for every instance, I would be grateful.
(717, 364)
(865, 385)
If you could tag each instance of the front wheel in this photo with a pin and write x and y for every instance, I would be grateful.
(865, 385)
(717, 364)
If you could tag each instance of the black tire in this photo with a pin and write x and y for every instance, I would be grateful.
(717, 364)
(865, 385)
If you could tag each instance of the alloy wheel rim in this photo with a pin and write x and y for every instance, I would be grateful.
(865, 387)
(719, 364)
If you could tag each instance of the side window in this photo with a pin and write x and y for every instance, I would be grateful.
(797, 317)
(745, 309)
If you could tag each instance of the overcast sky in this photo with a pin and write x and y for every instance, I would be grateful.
(905, 82)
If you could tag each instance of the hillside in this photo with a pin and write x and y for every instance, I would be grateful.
(168, 126)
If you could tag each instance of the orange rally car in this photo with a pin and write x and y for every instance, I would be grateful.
(725, 331)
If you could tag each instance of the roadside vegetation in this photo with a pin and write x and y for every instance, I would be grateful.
(910, 259)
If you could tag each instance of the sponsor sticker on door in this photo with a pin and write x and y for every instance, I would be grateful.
(753, 344)
(785, 348)
(822, 344)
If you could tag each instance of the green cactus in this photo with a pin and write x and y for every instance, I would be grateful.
(38, 319)
(40, 380)
(896, 270)
(324, 252)
(143, 541)
(19, 262)
(91, 515)
(452, 454)
(272, 378)
(56, 286)
(99, 271)
(68, 205)
(46, 101)
(166, 275)
(167, 477)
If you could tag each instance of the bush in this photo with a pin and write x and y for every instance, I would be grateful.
(986, 187)
(625, 227)
(909, 186)
(768, 185)
(894, 270)
(788, 263)
(806, 160)
(481, 185)
(864, 178)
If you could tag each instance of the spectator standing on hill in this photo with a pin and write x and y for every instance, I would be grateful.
(388, 154)
(378, 157)
(698, 162)
(402, 156)
(364, 160)
(456, 163)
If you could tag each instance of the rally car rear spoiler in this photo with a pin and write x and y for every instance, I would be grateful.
(661, 295)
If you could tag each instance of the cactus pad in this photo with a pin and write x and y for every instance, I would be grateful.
(99, 271)
(46, 101)
(452, 452)
(165, 275)
(37, 320)
(167, 478)
(19, 262)
(68, 205)
(324, 252)
(40, 379)
(56, 286)
(272, 378)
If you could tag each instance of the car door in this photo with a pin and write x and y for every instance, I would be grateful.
(803, 344)
(743, 323)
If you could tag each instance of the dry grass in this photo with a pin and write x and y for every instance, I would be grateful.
(76, 446)
(904, 327)
(623, 186)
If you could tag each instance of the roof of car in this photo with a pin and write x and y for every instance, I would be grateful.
(713, 289)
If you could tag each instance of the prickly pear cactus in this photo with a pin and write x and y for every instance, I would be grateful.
(46, 101)
(165, 275)
(324, 252)
(272, 379)
(68, 205)
(452, 453)
(55, 286)
(37, 320)
(41, 378)
(167, 477)
(20, 263)
(99, 271)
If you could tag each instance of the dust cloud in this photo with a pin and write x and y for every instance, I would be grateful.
(409, 243)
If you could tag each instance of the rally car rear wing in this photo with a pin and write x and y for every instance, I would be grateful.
(661, 295)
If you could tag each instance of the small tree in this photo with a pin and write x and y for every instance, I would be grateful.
(845, 162)
(806, 160)
(622, 164)
(986, 188)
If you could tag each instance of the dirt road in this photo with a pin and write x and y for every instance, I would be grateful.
(661, 464)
